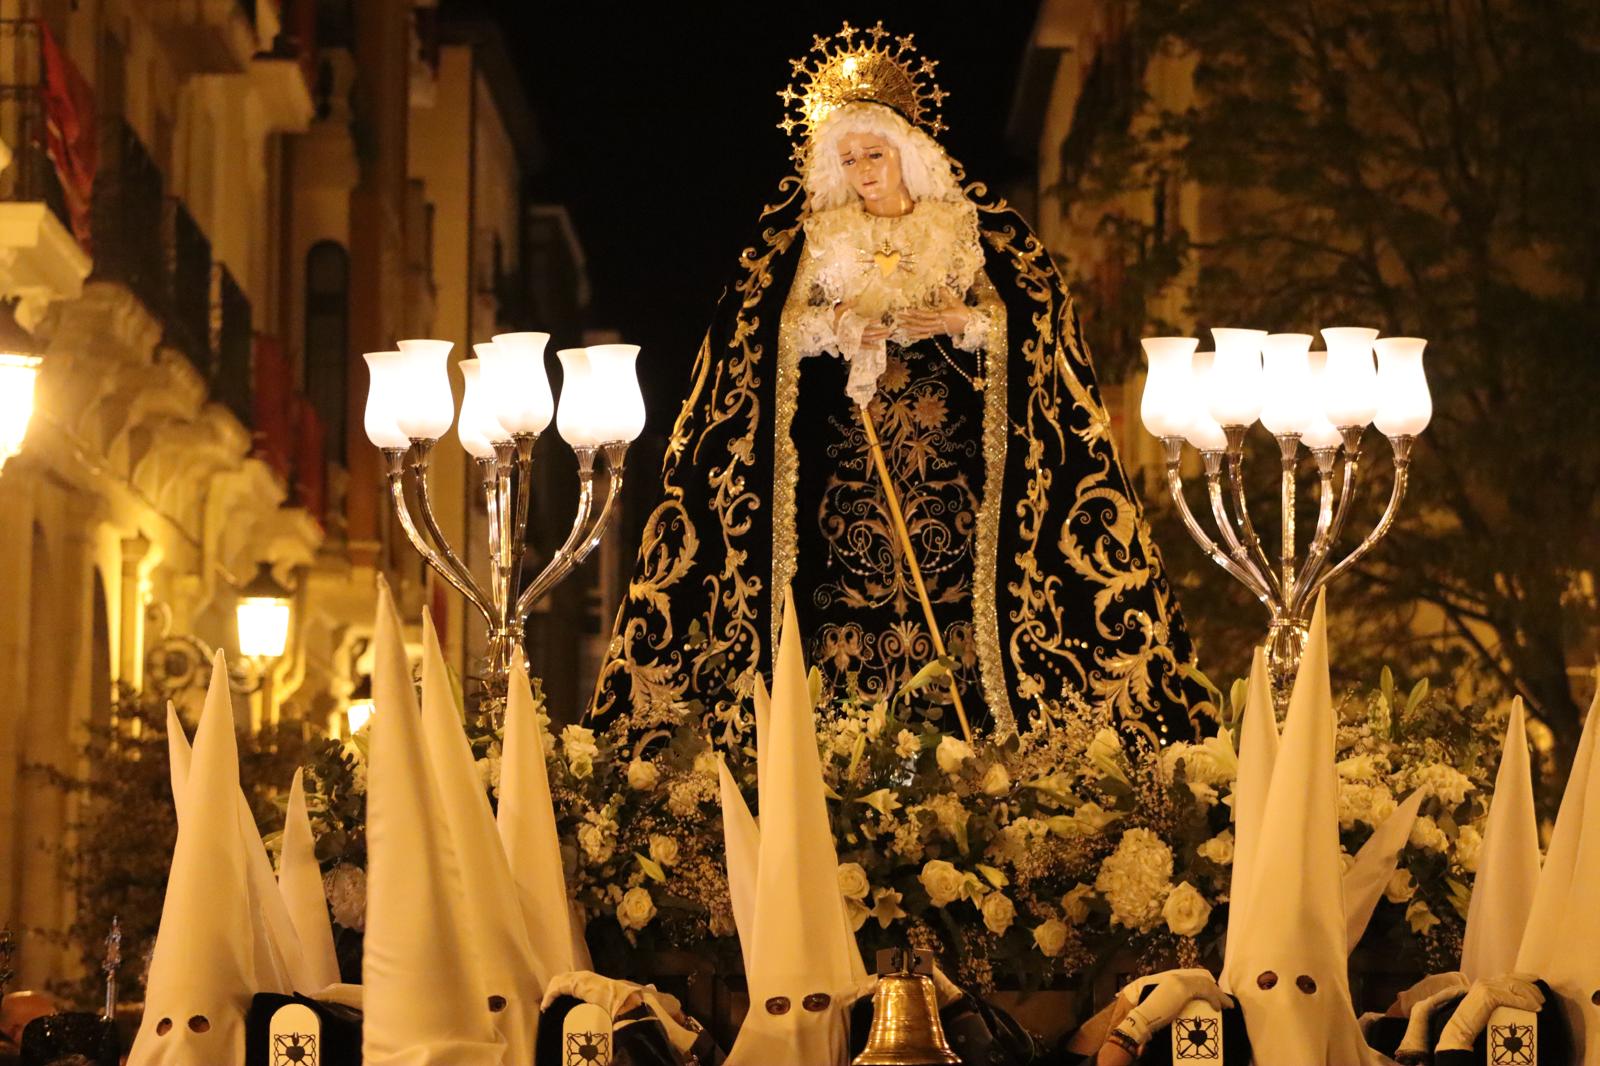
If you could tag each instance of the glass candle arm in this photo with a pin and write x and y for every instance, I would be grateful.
(1174, 450)
(397, 491)
(1402, 478)
(585, 535)
(1244, 567)
(1247, 529)
(421, 456)
(1311, 575)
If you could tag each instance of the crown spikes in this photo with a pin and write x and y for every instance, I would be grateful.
(819, 43)
(878, 33)
(847, 32)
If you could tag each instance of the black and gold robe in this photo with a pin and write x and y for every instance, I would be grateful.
(1045, 583)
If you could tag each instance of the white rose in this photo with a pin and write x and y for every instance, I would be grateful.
(952, 753)
(1445, 782)
(907, 744)
(998, 913)
(636, 909)
(942, 881)
(595, 844)
(853, 883)
(706, 763)
(1075, 903)
(1219, 849)
(1469, 844)
(663, 849)
(642, 775)
(1051, 937)
(1401, 887)
(1186, 910)
(577, 738)
(996, 782)
(1426, 834)
(346, 888)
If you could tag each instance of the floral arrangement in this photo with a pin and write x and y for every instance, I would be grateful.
(1037, 860)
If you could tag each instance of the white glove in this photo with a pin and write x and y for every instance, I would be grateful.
(1510, 990)
(1416, 1039)
(1173, 991)
(1454, 981)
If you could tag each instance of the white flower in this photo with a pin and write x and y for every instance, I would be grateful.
(489, 770)
(1219, 849)
(346, 888)
(1426, 834)
(663, 849)
(853, 883)
(996, 782)
(951, 753)
(576, 739)
(1401, 887)
(636, 909)
(1420, 918)
(886, 906)
(1092, 817)
(942, 881)
(581, 764)
(1363, 803)
(1051, 937)
(1075, 903)
(857, 914)
(1200, 765)
(706, 763)
(721, 923)
(1204, 794)
(1186, 910)
(595, 843)
(998, 912)
(1135, 879)
(1358, 768)
(1469, 845)
(1446, 783)
(907, 744)
(877, 719)
(642, 775)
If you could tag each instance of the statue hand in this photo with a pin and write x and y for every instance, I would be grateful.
(921, 323)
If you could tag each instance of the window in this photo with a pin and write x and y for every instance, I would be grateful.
(327, 339)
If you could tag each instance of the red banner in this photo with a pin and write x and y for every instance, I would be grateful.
(70, 136)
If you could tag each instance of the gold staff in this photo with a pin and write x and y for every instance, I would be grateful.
(899, 520)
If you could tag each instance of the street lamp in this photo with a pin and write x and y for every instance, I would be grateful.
(263, 616)
(18, 374)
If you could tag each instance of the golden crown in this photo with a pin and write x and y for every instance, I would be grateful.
(855, 66)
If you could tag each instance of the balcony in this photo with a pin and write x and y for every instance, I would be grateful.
(41, 259)
(232, 339)
(205, 36)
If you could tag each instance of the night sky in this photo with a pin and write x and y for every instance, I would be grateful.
(660, 121)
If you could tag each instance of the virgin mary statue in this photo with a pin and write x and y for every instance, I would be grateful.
(883, 302)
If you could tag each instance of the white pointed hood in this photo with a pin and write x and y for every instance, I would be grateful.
(527, 823)
(1293, 937)
(426, 1004)
(1562, 940)
(206, 968)
(493, 913)
(1508, 863)
(801, 974)
(300, 884)
(742, 842)
(1258, 753)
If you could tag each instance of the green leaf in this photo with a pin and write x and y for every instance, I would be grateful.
(1419, 692)
(993, 876)
(651, 868)
(814, 685)
(936, 669)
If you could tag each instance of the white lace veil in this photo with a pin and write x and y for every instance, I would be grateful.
(924, 167)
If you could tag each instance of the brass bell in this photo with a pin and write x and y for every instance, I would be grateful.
(905, 1021)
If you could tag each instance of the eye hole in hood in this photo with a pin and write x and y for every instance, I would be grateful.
(778, 1005)
(1306, 984)
(497, 1004)
(1267, 980)
(200, 1024)
(816, 1001)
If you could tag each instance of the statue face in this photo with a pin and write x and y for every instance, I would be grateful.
(871, 164)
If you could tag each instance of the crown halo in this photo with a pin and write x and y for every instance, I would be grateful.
(855, 66)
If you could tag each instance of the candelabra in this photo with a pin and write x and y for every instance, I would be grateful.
(1322, 400)
(506, 405)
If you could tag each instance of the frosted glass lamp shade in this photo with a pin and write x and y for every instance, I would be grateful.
(1349, 379)
(476, 427)
(1201, 430)
(578, 418)
(613, 368)
(516, 382)
(384, 392)
(427, 407)
(1163, 408)
(1233, 388)
(1288, 401)
(1404, 404)
(263, 616)
(18, 375)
